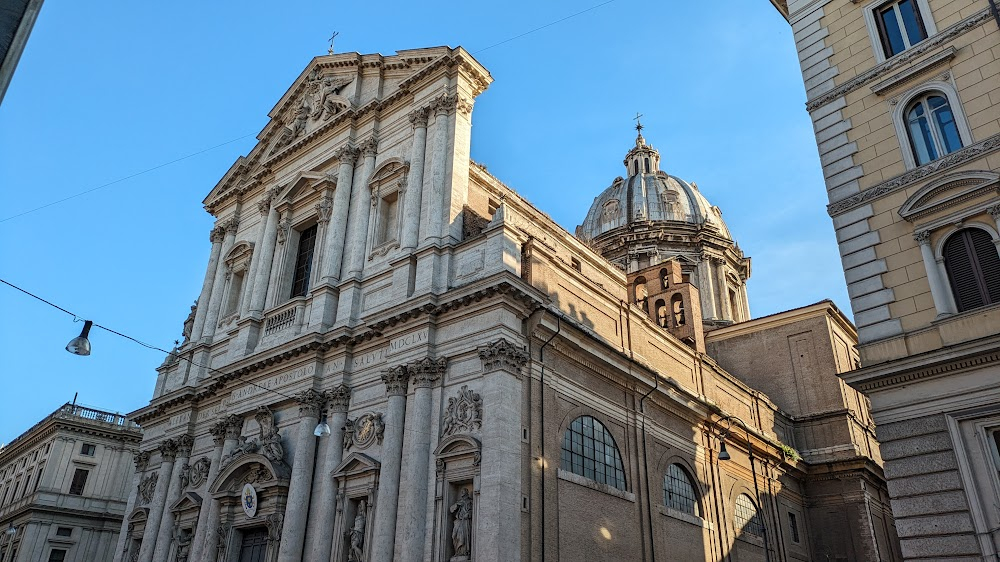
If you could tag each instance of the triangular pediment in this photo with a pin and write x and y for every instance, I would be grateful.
(356, 463)
(188, 500)
(948, 191)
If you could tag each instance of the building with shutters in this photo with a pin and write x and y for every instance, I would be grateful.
(495, 387)
(905, 100)
(64, 484)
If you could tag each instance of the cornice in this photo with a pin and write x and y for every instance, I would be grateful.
(952, 160)
(935, 363)
(899, 60)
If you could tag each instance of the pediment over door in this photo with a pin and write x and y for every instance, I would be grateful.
(356, 464)
(252, 468)
(950, 191)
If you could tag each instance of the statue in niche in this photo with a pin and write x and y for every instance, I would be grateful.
(357, 535)
(183, 538)
(461, 533)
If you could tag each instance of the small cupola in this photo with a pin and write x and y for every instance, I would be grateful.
(643, 158)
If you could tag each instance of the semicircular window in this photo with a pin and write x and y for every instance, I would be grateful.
(590, 451)
(678, 491)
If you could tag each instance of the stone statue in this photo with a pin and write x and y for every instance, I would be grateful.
(357, 535)
(461, 534)
(183, 538)
(189, 322)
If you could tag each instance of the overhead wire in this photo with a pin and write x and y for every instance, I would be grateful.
(140, 342)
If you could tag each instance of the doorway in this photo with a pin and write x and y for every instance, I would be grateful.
(254, 546)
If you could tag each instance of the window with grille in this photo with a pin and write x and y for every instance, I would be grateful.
(589, 450)
(900, 26)
(748, 521)
(303, 261)
(79, 481)
(793, 526)
(932, 128)
(678, 490)
(973, 266)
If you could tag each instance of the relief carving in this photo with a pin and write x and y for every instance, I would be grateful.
(364, 431)
(147, 486)
(464, 413)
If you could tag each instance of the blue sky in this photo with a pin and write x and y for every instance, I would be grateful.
(106, 90)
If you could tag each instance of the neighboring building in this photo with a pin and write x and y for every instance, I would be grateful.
(64, 484)
(905, 100)
(496, 389)
(17, 17)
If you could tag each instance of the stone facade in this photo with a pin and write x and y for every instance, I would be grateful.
(469, 357)
(64, 486)
(908, 130)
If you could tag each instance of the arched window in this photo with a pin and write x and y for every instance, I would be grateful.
(678, 490)
(635, 168)
(589, 450)
(640, 294)
(677, 306)
(973, 266)
(661, 313)
(748, 520)
(646, 162)
(664, 278)
(932, 127)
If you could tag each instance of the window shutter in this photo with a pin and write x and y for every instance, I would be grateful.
(958, 263)
(989, 263)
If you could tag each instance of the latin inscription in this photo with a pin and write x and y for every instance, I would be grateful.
(272, 383)
(407, 341)
(180, 419)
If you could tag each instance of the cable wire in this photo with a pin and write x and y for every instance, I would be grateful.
(144, 344)
(550, 24)
(119, 180)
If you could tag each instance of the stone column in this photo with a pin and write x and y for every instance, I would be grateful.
(324, 210)
(233, 428)
(500, 467)
(725, 306)
(387, 501)
(336, 237)
(439, 162)
(163, 537)
(425, 374)
(215, 237)
(299, 487)
(262, 269)
(360, 215)
(705, 287)
(141, 460)
(324, 508)
(939, 291)
(219, 285)
(264, 207)
(168, 452)
(218, 431)
(414, 191)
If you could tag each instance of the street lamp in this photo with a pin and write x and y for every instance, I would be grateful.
(80, 345)
(322, 428)
(725, 456)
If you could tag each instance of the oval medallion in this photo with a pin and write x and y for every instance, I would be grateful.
(249, 500)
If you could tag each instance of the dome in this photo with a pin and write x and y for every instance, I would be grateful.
(648, 194)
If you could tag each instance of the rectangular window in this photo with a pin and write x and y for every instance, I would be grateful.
(387, 224)
(793, 526)
(900, 26)
(303, 262)
(235, 288)
(38, 477)
(88, 450)
(64, 532)
(57, 555)
(79, 481)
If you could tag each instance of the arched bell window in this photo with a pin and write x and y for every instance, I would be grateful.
(932, 127)
(661, 313)
(677, 307)
(973, 266)
(664, 278)
(640, 295)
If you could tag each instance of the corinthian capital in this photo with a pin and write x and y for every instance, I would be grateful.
(168, 450)
(347, 154)
(218, 431)
(418, 117)
(232, 224)
(427, 371)
(395, 380)
(994, 211)
(216, 235)
(370, 147)
(184, 444)
(922, 237)
(141, 460)
(443, 105)
(338, 398)
(234, 426)
(311, 403)
(324, 209)
(502, 355)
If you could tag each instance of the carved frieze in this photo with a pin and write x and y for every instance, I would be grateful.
(147, 486)
(464, 413)
(364, 431)
(502, 355)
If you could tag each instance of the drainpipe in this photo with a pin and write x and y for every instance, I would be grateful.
(541, 380)
(645, 459)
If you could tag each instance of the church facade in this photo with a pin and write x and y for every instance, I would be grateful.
(396, 357)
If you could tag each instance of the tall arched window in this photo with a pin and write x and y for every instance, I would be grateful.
(678, 490)
(661, 313)
(747, 518)
(664, 279)
(677, 306)
(589, 450)
(973, 266)
(640, 295)
(932, 127)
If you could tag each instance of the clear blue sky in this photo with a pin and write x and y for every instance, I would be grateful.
(105, 90)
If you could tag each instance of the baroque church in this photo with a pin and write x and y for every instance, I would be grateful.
(395, 356)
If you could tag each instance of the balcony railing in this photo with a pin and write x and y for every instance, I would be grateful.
(70, 410)
(287, 316)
